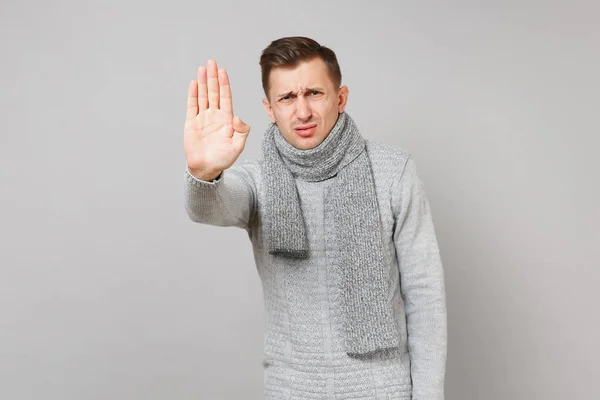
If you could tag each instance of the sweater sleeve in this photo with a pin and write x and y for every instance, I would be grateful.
(228, 200)
(422, 285)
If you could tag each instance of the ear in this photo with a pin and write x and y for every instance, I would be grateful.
(269, 110)
(342, 98)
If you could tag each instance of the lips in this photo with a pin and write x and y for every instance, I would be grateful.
(306, 130)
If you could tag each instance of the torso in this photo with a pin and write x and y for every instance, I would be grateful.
(304, 355)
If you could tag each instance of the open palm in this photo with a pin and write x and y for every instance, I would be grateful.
(213, 138)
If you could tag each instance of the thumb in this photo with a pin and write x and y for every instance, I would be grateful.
(239, 141)
(240, 126)
(240, 134)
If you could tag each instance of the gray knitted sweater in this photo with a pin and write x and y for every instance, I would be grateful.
(304, 355)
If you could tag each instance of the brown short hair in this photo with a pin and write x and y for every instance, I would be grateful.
(290, 51)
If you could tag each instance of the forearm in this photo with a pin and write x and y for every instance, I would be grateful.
(426, 317)
(227, 200)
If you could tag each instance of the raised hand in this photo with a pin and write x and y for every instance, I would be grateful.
(212, 138)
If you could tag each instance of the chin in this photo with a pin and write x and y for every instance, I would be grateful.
(308, 143)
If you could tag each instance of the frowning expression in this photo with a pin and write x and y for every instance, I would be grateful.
(304, 103)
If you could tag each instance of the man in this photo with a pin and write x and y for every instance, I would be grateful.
(341, 230)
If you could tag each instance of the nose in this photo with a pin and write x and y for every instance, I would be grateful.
(303, 111)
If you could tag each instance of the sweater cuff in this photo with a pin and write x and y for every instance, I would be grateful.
(201, 182)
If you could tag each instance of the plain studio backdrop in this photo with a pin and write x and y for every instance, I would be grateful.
(109, 291)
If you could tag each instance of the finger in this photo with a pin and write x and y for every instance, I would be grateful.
(192, 101)
(225, 92)
(213, 84)
(240, 126)
(202, 95)
(239, 141)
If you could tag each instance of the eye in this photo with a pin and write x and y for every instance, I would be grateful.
(315, 92)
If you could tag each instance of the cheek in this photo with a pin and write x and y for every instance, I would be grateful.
(282, 113)
(328, 112)
(327, 108)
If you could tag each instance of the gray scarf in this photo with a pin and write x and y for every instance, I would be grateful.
(369, 319)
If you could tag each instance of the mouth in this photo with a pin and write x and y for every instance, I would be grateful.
(306, 130)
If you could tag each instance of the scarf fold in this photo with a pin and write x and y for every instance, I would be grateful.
(369, 320)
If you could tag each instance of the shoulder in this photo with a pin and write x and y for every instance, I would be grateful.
(243, 170)
(251, 167)
(388, 162)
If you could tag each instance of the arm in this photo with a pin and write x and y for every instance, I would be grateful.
(422, 285)
(216, 191)
(227, 200)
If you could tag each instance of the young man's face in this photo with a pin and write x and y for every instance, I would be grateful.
(304, 103)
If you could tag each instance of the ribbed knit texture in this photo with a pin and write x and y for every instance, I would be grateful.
(369, 319)
(305, 353)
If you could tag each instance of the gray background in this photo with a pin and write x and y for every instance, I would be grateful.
(108, 291)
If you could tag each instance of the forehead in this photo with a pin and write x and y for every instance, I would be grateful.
(306, 74)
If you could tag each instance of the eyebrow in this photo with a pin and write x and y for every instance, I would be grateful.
(319, 89)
